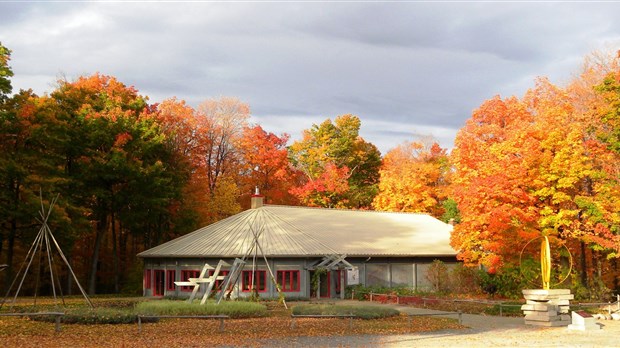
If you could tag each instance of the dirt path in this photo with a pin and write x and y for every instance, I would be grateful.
(482, 331)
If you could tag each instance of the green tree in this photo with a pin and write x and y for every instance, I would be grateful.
(5, 73)
(340, 145)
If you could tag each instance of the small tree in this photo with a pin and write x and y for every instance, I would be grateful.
(438, 276)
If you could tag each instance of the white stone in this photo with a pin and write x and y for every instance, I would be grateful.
(583, 321)
(615, 316)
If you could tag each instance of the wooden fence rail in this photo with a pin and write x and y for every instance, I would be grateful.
(57, 316)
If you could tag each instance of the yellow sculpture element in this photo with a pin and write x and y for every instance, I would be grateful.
(545, 262)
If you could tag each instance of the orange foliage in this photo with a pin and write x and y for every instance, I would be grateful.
(264, 163)
(413, 179)
(493, 160)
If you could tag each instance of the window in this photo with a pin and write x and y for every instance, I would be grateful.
(147, 279)
(158, 282)
(219, 283)
(258, 278)
(288, 280)
(185, 275)
(170, 278)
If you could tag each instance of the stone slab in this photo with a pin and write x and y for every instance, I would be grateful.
(543, 307)
(584, 328)
(549, 318)
(554, 302)
(548, 323)
(546, 292)
(549, 297)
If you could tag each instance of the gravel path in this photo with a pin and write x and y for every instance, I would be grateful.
(482, 331)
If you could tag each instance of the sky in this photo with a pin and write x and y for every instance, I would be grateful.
(408, 70)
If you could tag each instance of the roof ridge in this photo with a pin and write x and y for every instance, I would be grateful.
(345, 209)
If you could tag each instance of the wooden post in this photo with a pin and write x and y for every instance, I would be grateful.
(461, 317)
(139, 324)
(57, 319)
(342, 283)
(221, 324)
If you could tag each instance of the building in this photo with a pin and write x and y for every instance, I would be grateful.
(310, 251)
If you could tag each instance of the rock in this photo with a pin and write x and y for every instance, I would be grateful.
(615, 316)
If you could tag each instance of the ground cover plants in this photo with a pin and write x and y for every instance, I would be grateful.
(254, 331)
(360, 311)
(233, 309)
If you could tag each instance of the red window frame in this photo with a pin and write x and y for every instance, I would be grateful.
(185, 275)
(260, 279)
(146, 279)
(218, 283)
(288, 281)
(170, 278)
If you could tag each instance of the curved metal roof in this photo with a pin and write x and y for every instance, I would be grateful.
(300, 231)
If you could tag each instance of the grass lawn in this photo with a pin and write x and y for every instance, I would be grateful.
(22, 332)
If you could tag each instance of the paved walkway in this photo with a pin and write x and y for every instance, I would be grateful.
(482, 331)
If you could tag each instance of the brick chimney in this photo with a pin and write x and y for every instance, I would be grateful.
(257, 199)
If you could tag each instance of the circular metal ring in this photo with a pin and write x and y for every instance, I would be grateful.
(530, 281)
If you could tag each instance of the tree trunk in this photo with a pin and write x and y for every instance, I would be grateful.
(69, 277)
(614, 263)
(9, 255)
(101, 227)
(114, 255)
(12, 233)
(584, 265)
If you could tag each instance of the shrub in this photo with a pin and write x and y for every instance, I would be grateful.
(93, 316)
(438, 275)
(363, 312)
(464, 280)
(236, 309)
(507, 284)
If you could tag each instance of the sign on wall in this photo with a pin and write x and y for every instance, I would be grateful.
(353, 276)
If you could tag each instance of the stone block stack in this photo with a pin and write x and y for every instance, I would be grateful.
(547, 307)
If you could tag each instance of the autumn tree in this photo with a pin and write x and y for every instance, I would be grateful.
(220, 128)
(414, 179)
(537, 166)
(493, 159)
(265, 164)
(116, 165)
(333, 156)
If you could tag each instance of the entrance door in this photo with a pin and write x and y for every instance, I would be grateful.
(158, 286)
(324, 286)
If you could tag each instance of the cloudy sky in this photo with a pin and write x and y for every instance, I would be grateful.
(407, 69)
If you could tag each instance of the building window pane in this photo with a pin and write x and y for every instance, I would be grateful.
(402, 275)
(377, 275)
(259, 278)
(185, 275)
(170, 278)
(147, 279)
(288, 280)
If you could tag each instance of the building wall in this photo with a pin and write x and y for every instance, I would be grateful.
(159, 275)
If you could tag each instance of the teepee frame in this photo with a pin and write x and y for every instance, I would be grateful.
(44, 242)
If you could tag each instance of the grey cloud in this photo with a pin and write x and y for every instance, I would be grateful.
(422, 66)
